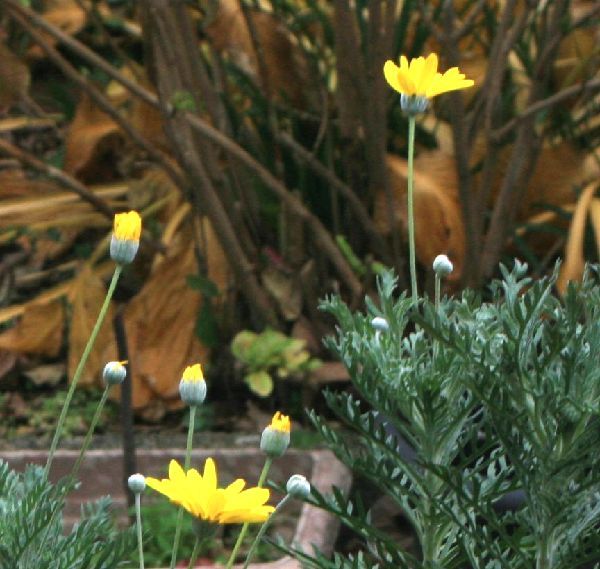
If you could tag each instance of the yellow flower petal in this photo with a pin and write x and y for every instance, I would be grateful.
(427, 73)
(391, 72)
(210, 475)
(128, 226)
(280, 422)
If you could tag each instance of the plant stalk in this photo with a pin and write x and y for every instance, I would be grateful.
(411, 212)
(138, 517)
(90, 432)
(195, 553)
(263, 529)
(244, 530)
(80, 367)
(188, 457)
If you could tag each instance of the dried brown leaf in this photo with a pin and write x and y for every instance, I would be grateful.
(39, 331)
(160, 322)
(67, 15)
(93, 143)
(438, 218)
(574, 261)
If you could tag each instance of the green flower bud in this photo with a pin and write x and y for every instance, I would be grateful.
(137, 483)
(298, 486)
(442, 266)
(380, 324)
(275, 439)
(114, 373)
(192, 387)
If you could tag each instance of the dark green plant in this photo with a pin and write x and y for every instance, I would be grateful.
(31, 527)
(493, 397)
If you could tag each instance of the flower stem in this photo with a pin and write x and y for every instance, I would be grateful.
(90, 432)
(188, 457)
(244, 530)
(138, 517)
(80, 367)
(263, 529)
(411, 213)
(438, 292)
(195, 552)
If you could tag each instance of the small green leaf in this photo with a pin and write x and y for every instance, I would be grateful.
(260, 382)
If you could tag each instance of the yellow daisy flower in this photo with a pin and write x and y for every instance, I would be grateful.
(421, 81)
(200, 496)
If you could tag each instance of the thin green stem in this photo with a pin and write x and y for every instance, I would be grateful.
(195, 553)
(438, 292)
(244, 530)
(411, 212)
(80, 367)
(90, 432)
(138, 517)
(263, 529)
(188, 458)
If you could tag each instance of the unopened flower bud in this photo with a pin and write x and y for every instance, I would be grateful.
(298, 486)
(192, 387)
(442, 266)
(114, 373)
(137, 483)
(380, 324)
(275, 438)
(125, 240)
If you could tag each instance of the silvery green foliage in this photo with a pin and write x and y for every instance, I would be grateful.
(31, 527)
(496, 399)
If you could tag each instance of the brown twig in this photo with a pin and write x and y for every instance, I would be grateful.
(210, 133)
(95, 94)
(169, 46)
(525, 150)
(59, 175)
(355, 204)
(592, 85)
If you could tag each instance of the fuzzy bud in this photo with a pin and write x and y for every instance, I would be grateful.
(125, 240)
(192, 387)
(275, 438)
(380, 324)
(137, 483)
(298, 486)
(442, 266)
(114, 373)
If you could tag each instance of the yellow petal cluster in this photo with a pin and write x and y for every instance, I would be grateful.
(420, 77)
(193, 373)
(280, 423)
(128, 226)
(200, 496)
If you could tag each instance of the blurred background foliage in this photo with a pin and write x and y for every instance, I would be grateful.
(267, 157)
